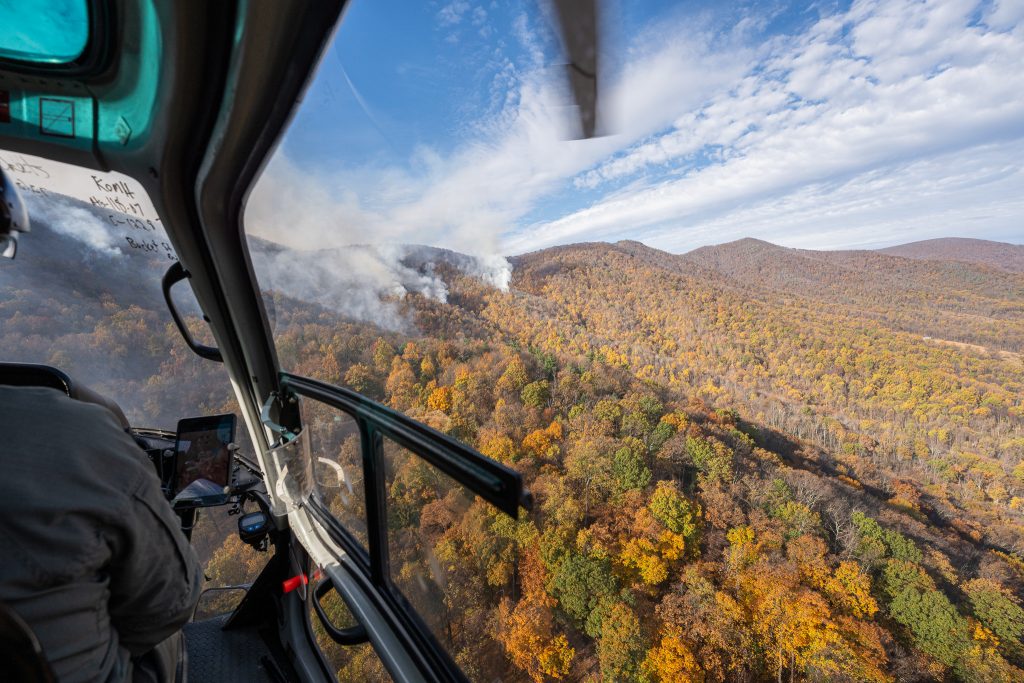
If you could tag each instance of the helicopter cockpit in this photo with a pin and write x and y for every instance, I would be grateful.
(352, 340)
(134, 132)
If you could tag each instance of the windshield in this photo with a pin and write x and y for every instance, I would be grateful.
(83, 295)
(756, 347)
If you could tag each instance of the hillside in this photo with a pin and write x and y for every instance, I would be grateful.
(748, 461)
(1009, 257)
(612, 375)
(956, 301)
(730, 325)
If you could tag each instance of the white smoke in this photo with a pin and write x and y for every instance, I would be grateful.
(63, 216)
(402, 278)
(495, 270)
(353, 251)
(364, 282)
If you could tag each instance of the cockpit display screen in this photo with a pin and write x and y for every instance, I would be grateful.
(201, 450)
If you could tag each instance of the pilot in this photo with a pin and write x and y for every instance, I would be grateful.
(92, 557)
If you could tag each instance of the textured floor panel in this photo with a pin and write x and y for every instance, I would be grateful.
(215, 655)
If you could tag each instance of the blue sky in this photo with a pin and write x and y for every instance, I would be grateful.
(818, 125)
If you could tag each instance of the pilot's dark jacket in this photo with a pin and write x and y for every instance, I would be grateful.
(91, 555)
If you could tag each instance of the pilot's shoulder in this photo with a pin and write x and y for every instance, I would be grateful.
(48, 417)
(90, 464)
(50, 406)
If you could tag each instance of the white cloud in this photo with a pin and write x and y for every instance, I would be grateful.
(893, 120)
(1005, 14)
(908, 82)
(975, 194)
(452, 13)
(469, 198)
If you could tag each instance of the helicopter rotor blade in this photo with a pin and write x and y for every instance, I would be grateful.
(578, 23)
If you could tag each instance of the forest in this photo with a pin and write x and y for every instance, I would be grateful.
(750, 464)
(747, 462)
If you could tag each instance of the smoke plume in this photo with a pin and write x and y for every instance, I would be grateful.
(363, 281)
(70, 218)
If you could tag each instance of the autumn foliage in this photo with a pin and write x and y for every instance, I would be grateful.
(736, 474)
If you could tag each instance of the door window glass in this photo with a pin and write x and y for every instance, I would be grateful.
(54, 32)
(336, 453)
(432, 523)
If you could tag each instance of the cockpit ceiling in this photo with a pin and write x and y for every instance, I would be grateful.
(79, 79)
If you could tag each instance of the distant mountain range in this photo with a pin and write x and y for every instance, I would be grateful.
(937, 297)
(974, 298)
(967, 300)
(997, 254)
(874, 269)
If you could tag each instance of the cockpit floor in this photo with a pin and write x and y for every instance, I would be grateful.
(215, 655)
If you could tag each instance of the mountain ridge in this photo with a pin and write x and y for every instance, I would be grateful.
(1002, 255)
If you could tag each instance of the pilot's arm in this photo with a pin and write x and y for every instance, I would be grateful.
(155, 579)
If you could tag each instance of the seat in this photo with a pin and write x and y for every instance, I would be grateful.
(37, 375)
(21, 655)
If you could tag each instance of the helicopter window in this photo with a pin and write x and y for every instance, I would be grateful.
(337, 466)
(427, 497)
(56, 33)
(83, 295)
(431, 520)
(353, 280)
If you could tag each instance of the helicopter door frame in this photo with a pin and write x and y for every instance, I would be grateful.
(362, 576)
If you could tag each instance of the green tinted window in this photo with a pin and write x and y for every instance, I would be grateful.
(43, 31)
